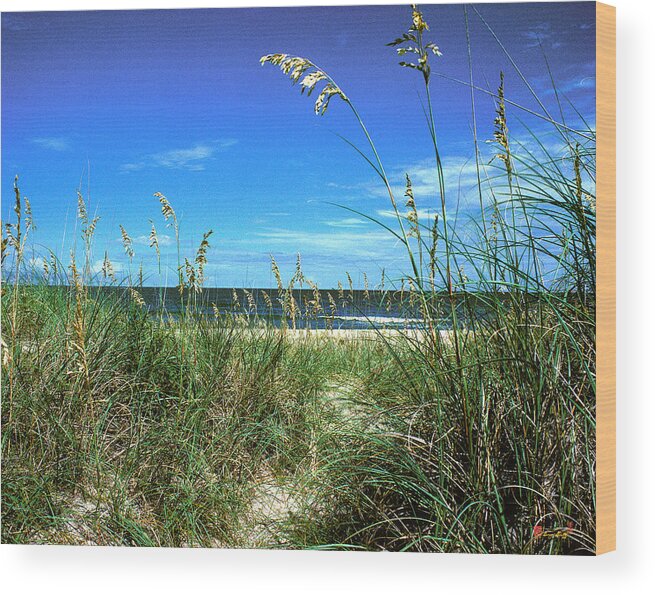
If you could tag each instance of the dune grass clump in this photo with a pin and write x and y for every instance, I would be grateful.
(481, 439)
(125, 426)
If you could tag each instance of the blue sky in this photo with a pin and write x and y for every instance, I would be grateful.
(127, 103)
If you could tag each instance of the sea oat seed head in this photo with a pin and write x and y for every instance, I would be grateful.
(127, 242)
(296, 67)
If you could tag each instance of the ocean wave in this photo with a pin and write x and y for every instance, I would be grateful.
(376, 319)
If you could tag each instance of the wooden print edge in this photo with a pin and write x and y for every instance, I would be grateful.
(606, 278)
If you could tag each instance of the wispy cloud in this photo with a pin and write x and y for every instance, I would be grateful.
(129, 167)
(338, 243)
(541, 33)
(54, 143)
(192, 158)
(163, 240)
(347, 222)
(577, 83)
(577, 77)
(460, 177)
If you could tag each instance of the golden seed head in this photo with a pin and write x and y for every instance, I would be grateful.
(136, 297)
(127, 242)
(166, 208)
(267, 300)
(153, 239)
(296, 67)
(276, 272)
(418, 22)
(107, 268)
(81, 208)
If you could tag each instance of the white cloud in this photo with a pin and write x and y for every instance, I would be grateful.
(192, 158)
(347, 222)
(339, 243)
(55, 143)
(460, 177)
(128, 167)
(538, 34)
(164, 240)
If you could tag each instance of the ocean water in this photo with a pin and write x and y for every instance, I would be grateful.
(354, 310)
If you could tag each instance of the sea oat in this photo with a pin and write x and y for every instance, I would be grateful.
(17, 201)
(87, 227)
(53, 263)
(367, 295)
(166, 208)
(292, 307)
(191, 279)
(267, 301)
(90, 230)
(333, 305)
(412, 43)
(315, 303)
(127, 242)
(153, 240)
(501, 132)
(418, 23)
(296, 67)
(12, 239)
(107, 268)
(136, 297)
(412, 213)
(29, 223)
(350, 285)
(276, 273)
(299, 275)
(250, 300)
(201, 258)
(82, 214)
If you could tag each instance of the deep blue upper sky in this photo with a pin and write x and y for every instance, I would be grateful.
(128, 103)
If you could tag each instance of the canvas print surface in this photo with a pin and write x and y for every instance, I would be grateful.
(303, 278)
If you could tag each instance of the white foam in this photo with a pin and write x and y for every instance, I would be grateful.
(378, 319)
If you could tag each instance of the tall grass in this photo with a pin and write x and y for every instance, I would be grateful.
(125, 426)
(481, 439)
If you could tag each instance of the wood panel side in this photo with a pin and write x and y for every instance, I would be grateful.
(606, 278)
